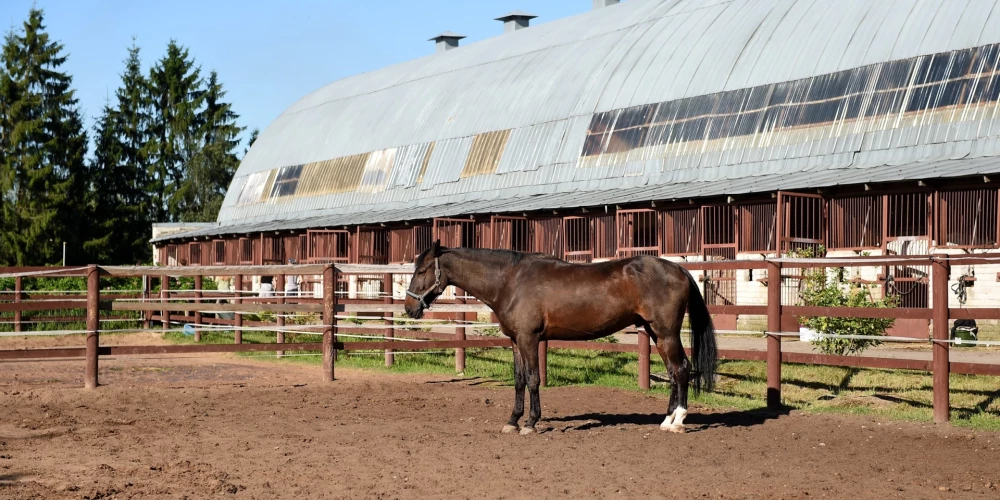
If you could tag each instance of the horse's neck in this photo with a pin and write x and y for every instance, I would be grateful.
(478, 272)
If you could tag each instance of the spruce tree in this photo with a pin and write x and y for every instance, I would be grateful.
(104, 235)
(211, 168)
(45, 143)
(8, 176)
(253, 138)
(175, 86)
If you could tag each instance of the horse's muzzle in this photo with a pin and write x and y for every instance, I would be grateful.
(414, 311)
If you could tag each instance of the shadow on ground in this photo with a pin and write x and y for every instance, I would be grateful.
(695, 421)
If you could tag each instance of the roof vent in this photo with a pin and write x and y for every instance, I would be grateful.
(447, 41)
(515, 20)
(604, 3)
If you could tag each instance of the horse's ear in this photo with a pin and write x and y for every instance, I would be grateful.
(436, 248)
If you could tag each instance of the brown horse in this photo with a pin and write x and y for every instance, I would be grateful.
(537, 297)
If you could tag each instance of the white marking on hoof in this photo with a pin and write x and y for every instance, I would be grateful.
(509, 429)
(527, 430)
(667, 423)
(679, 416)
(677, 429)
(675, 421)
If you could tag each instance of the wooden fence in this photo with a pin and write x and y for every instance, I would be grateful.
(190, 307)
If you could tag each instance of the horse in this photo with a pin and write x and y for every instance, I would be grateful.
(538, 297)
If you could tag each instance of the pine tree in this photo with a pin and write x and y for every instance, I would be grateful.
(43, 166)
(211, 168)
(175, 87)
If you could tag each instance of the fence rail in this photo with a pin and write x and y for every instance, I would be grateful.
(329, 305)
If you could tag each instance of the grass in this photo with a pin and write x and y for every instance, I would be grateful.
(891, 394)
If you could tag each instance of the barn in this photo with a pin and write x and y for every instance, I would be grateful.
(685, 129)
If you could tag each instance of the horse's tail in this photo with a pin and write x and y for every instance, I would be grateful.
(703, 350)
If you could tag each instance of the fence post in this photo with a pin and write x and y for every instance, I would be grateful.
(773, 341)
(941, 272)
(460, 333)
(643, 359)
(543, 363)
(197, 314)
(147, 288)
(238, 318)
(390, 330)
(18, 286)
(93, 325)
(164, 298)
(329, 311)
(279, 290)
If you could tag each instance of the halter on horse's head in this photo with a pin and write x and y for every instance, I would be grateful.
(427, 283)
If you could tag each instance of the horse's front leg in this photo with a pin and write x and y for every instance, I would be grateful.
(519, 383)
(529, 357)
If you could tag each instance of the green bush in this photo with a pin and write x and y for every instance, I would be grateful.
(823, 290)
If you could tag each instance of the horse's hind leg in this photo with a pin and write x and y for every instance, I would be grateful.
(666, 363)
(519, 383)
(668, 344)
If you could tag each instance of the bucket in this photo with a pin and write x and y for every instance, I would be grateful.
(807, 334)
(960, 333)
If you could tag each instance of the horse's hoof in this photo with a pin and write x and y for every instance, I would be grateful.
(677, 429)
(527, 430)
(509, 429)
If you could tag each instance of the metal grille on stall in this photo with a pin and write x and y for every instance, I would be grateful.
(681, 232)
(547, 236)
(577, 236)
(461, 233)
(272, 249)
(801, 232)
(801, 220)
(638, 232)
(855, 223)
(758, 227)
(605, 244)
(456, 233)
(967, 219)
(719, 227)
(511, 233)
(908, 228)
(218, 252)
(406, 243)
(371, 246)
(330, 246)
(170, 254)
(296, 247)
(246, 251)
(194, 254)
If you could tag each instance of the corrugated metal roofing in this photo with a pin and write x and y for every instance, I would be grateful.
(722, 62)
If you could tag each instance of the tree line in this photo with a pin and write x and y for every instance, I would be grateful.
(165, 148)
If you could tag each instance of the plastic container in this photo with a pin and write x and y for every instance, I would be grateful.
(807, 334)
(960, 333)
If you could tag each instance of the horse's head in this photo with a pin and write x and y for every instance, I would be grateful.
(427, 282)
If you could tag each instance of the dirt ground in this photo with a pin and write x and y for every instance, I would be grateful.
(197, 427)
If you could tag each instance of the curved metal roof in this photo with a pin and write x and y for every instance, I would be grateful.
(647, 97)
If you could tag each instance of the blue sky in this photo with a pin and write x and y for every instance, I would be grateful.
(268, 53)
